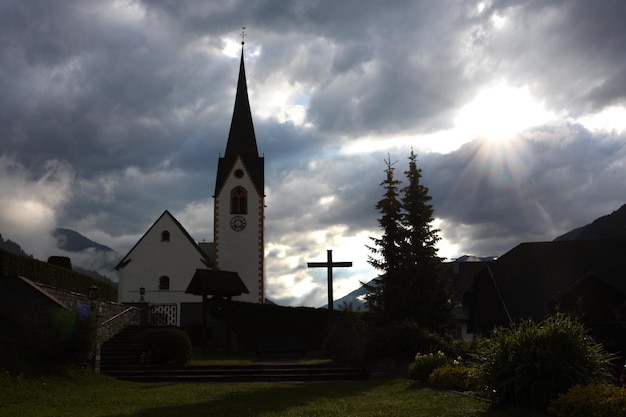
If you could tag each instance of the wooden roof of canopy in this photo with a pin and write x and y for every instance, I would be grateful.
(216, 282)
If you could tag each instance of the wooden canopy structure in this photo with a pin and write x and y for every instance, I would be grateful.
(219, 284)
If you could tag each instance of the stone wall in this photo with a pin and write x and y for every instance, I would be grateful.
(112, 317)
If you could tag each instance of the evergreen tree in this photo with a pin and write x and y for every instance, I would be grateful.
(426, 298)
(386, 250)
(412, 287)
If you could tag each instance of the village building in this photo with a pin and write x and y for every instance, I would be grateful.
(159, 268)
(584, 278)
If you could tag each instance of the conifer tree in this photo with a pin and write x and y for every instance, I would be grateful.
(411, 287)
(386, 249)
(426, 294)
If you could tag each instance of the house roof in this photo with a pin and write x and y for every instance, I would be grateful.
(241, 140)
(213, 282)
(461, 275)
(203, 255)
(532, 276)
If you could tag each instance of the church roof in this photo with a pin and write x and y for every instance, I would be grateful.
(241, 139)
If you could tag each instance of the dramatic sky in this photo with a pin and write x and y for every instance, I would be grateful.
(113, 111)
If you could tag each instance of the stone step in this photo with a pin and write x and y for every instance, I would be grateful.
(250, 373)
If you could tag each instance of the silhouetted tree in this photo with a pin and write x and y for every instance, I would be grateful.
(426, 299)
(411, 287)
(386, 249)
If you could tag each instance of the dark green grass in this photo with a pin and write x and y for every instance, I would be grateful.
(84, 394)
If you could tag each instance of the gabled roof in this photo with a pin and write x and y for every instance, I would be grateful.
(530, 277)
(241, 140)
(461, 275)
(220, 283)
(203, 256)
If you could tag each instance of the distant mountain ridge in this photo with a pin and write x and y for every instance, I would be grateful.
(611, 226)
(10, 246)
(88, 257)
(73, 241)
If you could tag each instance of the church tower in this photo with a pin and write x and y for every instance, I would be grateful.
(239, 205)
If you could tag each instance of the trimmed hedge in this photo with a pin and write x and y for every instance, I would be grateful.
(253, 322)
(164, 346)
(345, 344)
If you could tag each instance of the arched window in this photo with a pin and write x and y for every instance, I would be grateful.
(164, 282)
(165, 236)
(238, 201)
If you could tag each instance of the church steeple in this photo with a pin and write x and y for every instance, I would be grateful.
(241, 138)
(239, 205)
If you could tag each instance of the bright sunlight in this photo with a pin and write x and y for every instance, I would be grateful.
(500, 113)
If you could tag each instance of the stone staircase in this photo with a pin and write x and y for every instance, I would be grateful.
(121, 351)
(121, 359)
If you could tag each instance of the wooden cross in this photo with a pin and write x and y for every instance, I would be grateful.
(329, 265)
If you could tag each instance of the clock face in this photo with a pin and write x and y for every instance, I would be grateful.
(237, 223)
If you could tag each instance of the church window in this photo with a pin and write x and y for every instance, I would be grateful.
(239, 173)
(239, 201)
(164, 283)
(165, 236)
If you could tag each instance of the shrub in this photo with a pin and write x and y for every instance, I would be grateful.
(424, 365)
(344, 344)
(401, 341)
(530, 364)
(454, 377)
(595, 400)
(165, 346)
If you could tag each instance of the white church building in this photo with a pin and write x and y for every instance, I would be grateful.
(158, 269)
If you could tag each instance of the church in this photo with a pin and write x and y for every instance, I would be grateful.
(159, 268)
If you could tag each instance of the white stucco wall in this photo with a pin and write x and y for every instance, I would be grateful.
(152, 258)
(241, 251)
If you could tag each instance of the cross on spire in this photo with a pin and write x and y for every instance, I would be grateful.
(329, 265)
(243, 35)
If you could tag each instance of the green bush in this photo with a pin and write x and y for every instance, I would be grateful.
(345, 344)
(453, 377)
(401, 341)
(530, 364)
(423, 365)
(595, 400)
(164, 346)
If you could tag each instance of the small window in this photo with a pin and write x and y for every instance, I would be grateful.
(239, 173)
(165, 236)
(239, 201)
(164, 283)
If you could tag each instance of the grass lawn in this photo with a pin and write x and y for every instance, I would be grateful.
(84, 394)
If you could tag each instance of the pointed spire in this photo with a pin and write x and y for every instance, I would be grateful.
(241, 138)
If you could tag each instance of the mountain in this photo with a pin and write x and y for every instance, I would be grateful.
(10, 246)
(472, 258)
(88, 257)
(611, 226)
(354, 300)
(73, 241)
